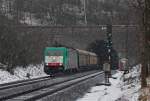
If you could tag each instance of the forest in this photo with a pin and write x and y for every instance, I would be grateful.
(20, 48)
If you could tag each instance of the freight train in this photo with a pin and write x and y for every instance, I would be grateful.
(63, 59)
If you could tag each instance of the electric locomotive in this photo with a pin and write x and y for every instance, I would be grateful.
(62, 59)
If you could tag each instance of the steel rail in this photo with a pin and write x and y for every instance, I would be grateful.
(25, 88)
(32, 96)
(22, 82)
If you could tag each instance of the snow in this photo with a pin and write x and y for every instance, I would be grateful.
(30, 20)
(34, 71)
(119, 90)
(7, 77)
(20, 73)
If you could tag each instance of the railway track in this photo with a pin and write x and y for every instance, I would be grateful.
(38, 88)
(22, 82)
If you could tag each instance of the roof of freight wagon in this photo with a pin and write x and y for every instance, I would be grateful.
(86, 52)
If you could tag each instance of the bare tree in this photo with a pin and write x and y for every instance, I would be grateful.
(142, 8)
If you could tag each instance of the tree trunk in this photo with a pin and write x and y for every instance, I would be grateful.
(145, 40)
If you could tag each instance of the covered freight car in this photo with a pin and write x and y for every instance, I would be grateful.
(61, 59)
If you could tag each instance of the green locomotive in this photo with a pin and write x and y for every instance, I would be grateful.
(63, 59)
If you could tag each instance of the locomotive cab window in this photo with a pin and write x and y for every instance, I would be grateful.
(54, 57)
(55, 53)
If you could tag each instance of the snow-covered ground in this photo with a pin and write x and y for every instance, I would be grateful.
(119, 90)
(21, 73)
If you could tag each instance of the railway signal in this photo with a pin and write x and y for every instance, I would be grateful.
(109, 43)
(108, 64)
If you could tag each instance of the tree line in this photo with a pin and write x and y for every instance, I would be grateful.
(68, 12)
(19, 48)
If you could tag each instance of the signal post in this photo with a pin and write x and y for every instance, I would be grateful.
(109, 46)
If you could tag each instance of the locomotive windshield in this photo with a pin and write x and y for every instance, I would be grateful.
(54, 56)
(55, 53)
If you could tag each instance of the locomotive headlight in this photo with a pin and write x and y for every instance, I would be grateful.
(54, 58)
(47, 64)
(60, 64)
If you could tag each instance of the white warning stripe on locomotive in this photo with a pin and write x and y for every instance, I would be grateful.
(53, 59)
